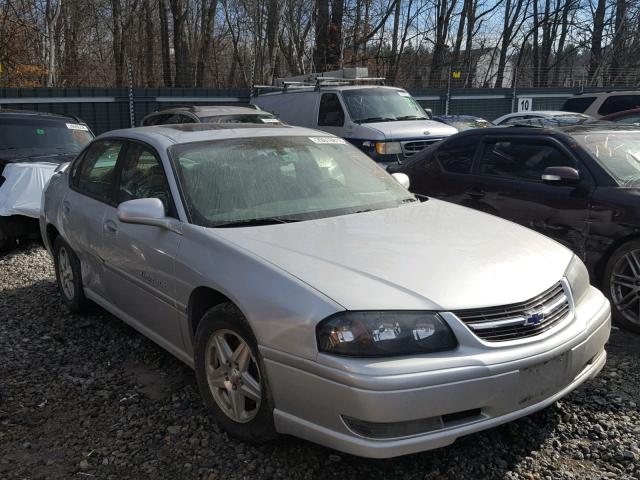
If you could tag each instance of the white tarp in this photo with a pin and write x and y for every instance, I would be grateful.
(21, 192)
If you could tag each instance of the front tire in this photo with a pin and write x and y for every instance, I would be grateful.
(622, 284)
(231, 375)
(69, 276)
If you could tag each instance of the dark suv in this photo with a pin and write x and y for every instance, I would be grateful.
(32, 146)
(579, 185)
(209, 114)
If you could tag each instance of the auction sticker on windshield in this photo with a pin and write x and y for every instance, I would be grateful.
(328, 140)
(77, 126)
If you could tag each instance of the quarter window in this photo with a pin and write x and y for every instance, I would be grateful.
(578, 104)
(96, 173)
(142, 176)
(330, 113)
(457, 156)
(522, 160)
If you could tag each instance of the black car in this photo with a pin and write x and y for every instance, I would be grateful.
(579, 185)
(32, 146)
(209, 114)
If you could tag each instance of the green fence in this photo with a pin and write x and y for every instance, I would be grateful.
(112, 108)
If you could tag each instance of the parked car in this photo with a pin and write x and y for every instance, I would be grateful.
(384, 122)
(627, 117)
(208, 114)
(600, 104)
(32, 146)
(313, 294)
(543, 118)
(462, 122)
(579, 185)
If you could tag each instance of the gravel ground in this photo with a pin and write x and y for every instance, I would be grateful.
(88, 397)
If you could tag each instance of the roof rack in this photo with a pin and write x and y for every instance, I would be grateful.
(345, 76)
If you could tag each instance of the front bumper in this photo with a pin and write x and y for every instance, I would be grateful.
(316, 402)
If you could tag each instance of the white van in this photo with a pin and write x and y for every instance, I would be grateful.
(385, 122)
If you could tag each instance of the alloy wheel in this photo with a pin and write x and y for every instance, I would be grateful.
(65, 272)
(233, 376)
(625, 286)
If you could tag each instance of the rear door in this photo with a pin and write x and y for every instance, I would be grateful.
(139, 259)
(507, 183)
(84, 207)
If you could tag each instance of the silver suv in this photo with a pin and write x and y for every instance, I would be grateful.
(314, 295)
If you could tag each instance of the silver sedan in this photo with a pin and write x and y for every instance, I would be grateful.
(313, 294)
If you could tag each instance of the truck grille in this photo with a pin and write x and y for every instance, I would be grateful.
(409, 148)
(520, 320)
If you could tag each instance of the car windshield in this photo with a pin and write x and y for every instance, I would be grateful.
(617, 152)
(253, 181)
(241, 118)
(382, 105)
(33, 138)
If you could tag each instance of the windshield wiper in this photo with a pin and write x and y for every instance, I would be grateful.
(255, 222)
(374, 119)
(412, 117)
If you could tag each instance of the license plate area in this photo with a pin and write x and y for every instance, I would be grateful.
(543, 379)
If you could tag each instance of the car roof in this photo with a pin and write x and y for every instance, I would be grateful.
(608, 93)
(197, 132)
(545, 113)
(550, 130)
(212, 110)
(328, 88)
(32, 114)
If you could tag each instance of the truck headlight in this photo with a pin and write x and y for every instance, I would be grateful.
(578, 278)
(384, 334)
(388, 148)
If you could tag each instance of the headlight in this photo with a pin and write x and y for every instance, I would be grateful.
(388, 148)
(383, 334)
(578, 278)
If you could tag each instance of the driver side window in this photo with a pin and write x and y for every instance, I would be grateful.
(142, 176)
(330, 113)
(95, 174)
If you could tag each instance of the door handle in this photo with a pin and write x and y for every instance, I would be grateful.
(476, 193)
(66, 206)
(110, 227)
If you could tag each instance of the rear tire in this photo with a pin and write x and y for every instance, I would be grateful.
(622, 285)
(231, 375)
(69, 276)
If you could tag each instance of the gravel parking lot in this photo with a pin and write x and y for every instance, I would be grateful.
(89, 397)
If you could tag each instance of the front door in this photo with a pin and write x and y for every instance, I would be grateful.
(139, 259)
(507, 182)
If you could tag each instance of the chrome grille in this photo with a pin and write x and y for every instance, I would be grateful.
(519, 320)
(409, 148)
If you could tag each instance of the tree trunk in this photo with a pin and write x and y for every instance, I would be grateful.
(596, 41)
(181, 53)
(206, 28)
(322, 37)
(163, 10)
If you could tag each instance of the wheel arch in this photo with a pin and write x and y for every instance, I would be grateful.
(201, 300)
(601, 265)
(51, 233)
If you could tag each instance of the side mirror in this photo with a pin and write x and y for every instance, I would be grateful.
(429, 112)
(560, 176)
(402, 179)
(147, 211)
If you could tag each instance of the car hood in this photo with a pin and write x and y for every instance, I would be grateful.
(29, 155)
(412, 129)
(433, 255)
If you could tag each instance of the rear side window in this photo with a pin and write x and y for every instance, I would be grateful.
(95, 175)
(330, 113)
(618, 103)
(457, 156)
(520, 159)
(577, 104)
